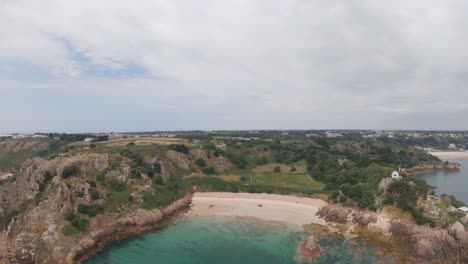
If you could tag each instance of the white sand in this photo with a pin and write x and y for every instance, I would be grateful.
(282, 208)
(450, 154)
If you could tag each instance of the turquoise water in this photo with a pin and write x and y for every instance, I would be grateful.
(231, 240)
(454, 183)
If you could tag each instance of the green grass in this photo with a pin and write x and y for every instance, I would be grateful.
(294, 181)
(115, 200)
(162, 198)
(69, 230)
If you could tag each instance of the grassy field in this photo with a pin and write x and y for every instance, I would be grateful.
(301, 167)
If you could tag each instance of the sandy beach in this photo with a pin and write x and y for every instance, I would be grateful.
(450, 154)
(271, 207)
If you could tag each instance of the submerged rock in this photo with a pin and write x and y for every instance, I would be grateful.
(310, 250)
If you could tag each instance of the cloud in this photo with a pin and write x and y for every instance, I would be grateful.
(235, 64)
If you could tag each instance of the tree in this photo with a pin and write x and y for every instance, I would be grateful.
(70, 171)
(200, 162)
(179, 148)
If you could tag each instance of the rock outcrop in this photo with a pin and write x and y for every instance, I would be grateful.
(309, 250)
(423, 243)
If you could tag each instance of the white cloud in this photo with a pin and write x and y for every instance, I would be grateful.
(260, 64)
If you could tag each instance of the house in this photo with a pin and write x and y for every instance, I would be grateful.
(396, 175)
(452, 146)
(463, 210)
(88, 139)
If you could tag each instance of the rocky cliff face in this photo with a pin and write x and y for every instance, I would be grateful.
(34, 207)
(422, 243)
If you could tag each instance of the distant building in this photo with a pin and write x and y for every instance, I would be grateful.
(452, 146)
(396, 175)
(463, 210)
(88, 139)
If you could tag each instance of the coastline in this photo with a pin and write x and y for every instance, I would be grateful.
(271, 207)
(137, 223)
(384, 228)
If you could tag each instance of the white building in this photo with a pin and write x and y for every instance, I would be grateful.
(396, 175)
(452, 146)
(463, 210)
(88, 139)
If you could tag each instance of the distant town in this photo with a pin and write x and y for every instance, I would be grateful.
(427, 140)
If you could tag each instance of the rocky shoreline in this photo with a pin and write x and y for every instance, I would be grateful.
(450, 166)
(408, 242)
(135, 223)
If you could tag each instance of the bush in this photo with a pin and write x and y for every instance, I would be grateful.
(262, 161)
(77, 222)
(157, 167)
(90, 210)
(94, 194)
(48, 176)
(70, 171)
(117, 186)
(92, 183)
(179, 148)
(200, 162)
(277, 169)
(92, 146)
(69, 230)
(210, 146)
(293, 169)
(208, 170)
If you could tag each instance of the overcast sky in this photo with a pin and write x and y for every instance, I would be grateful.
(111, 65)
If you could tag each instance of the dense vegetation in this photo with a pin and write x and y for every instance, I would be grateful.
(348, 169)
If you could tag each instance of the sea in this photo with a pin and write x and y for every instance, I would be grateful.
(219, 239)
(454, 183)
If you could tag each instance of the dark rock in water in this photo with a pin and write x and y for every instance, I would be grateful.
(310, 250)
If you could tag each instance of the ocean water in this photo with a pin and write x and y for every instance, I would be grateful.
(232, 240)
(455, 183)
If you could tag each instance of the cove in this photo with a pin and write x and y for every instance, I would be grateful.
(232, 240)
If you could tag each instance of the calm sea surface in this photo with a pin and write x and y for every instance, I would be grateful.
(455, 183)
(232, 240)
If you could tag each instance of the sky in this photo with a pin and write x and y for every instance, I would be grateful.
(147, 65)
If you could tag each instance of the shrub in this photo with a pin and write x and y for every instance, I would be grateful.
(70, 171)
(92, 146)
(277, 169)
(92, 183)
(262, 161)
(293, 169)
(94, 194)
(77, 222)
(208, 170)
(69, 230)
(117, 186)
(48, 176)
(179, 148)
(157, 167)
(200, 162)
(90, 210)
(130, 144)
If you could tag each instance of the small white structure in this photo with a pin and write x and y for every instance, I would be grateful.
(396, 175)
(452, 146)
(463, 210)
(88, 139)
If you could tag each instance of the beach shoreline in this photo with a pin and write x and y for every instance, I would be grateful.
(271, 207)
(450, 154)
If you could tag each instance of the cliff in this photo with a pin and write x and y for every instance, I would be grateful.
(409, 242)
(48, 217)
